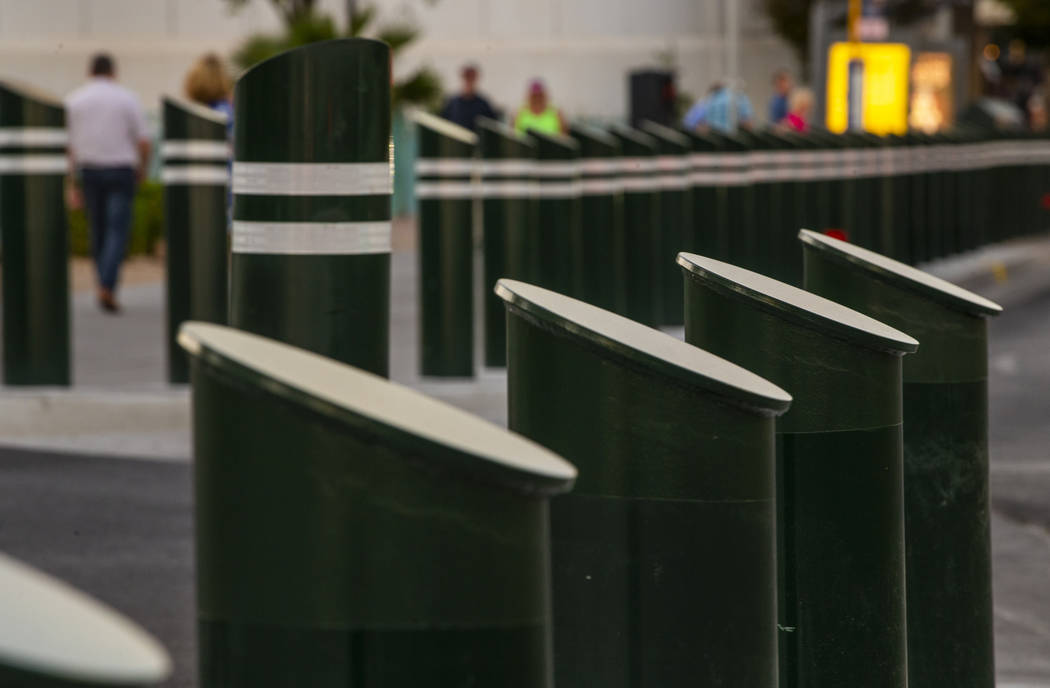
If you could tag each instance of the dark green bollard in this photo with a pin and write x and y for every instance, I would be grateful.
(34, 239)
(602, 258)
(642, 219)
(311, 209)
(352, 532)
(508, 212)
(945, 453)
(663, 557)
(734, 174)
(53, 636)
(196, 183)
(840, 517)
(558, 226)
(703, 176)
(445, 191)
(676, 215)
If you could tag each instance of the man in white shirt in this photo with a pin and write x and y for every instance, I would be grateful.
(109, 149)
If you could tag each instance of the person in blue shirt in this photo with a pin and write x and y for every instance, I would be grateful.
(778, 104)
(713, 111)
(466, 106)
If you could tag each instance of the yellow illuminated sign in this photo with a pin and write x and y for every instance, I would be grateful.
(875, 77)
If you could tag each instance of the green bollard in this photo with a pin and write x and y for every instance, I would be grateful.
(642, 219)
(663, 558)
(34, 239)
(735, 178)
(558, 219)
(311, 210)
(946, 515)
(54, 636)
(196, 180)
(840, 519)
(445, 191)
(353, 532)
(676, 215)
(602, 259)
(703, 177)
(508, 212)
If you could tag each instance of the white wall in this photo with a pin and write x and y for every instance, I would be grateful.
(583, 48)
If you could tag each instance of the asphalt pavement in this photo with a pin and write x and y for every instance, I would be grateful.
(95, 482)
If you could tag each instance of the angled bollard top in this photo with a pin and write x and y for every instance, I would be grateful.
(946, 496)
(196, 159)
(445, 191)
(54, 635)
(407, 532)
(312, 181)
(840, 515)
(35, 238)
(666, 544)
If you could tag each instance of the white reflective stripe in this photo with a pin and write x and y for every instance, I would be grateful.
(673, 181)
(734, 178)
(599, 165)
(672, 163)
(33, 164)
(311, 238)
(558, 189)
(704, 178)
(703, 159)
(33, 136)
(600, 187)
(556, 168)
(195, 174)
(450, 166)
(313, 179)
(507, 168)
(507, 189)
(195, 149)
(445, 189)
(640, 183)
(760, 158)
(636, 165)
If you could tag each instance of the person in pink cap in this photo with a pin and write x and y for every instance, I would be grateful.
(538, 114)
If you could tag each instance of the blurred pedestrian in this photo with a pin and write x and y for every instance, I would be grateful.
(467, 105)
(715, 110)
(537, 113)
(209, 84)
(778, 105)
(800, 107)
(109, 151)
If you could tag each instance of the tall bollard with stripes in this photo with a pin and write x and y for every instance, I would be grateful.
(34, 238)
(508, 216)
(557, 244)
(311, 209)
(946, 511)
(353, 532)
(196, 186)
(676, 215)
(840, 517)
(642, 222)
(602, 251)
(663, 558)
(445, 190)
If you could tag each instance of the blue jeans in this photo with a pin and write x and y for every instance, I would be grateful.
(108, 196)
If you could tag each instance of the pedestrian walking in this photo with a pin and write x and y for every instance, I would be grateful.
(466, 106)
(718, 109)
(799, 109)
(109, 150)
(778, 104)
(538, 114)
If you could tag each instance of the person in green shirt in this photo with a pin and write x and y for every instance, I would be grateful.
(538, 114)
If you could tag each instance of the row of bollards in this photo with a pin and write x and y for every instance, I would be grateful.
(792, 496)
(600, 213)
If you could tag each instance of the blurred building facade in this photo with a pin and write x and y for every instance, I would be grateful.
(582, 48)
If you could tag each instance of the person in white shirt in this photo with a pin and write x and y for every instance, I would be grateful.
(109, 149)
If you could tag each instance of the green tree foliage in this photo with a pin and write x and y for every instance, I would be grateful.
(304, 24)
